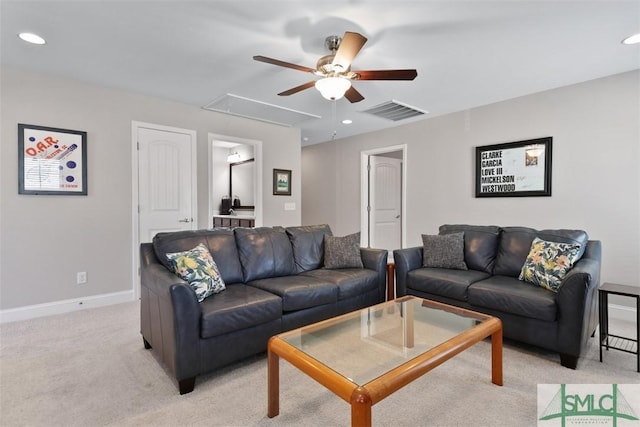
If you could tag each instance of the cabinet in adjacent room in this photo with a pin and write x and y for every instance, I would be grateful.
(231, 221)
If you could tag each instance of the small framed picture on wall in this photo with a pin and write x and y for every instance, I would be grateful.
(281, 182)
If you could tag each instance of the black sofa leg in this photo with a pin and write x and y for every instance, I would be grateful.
(187, 385)
(568, 361)
(146, 343)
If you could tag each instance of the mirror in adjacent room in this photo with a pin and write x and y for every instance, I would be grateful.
(235, 169)
(241, 183)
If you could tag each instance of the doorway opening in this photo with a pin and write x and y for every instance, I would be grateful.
(225, 152)
(383, 201)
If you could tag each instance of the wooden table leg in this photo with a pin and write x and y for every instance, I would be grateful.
(273, 384)
(496, 357)
(391, 267)
(360, 408)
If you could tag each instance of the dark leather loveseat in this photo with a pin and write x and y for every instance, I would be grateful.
(560, 322)
(275, 281)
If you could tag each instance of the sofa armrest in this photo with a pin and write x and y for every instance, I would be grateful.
(169, 315)
(405, 260)
(376, 259)
(577, 301)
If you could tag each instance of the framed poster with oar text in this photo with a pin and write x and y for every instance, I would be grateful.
(51, 161)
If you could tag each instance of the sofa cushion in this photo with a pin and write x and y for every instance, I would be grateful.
(548, 263)
(513, 249)
(299, 291)
(237, 308)
(443, 281)
(307, 242)
(221, 245)
(351, 282)
(443, 251)
(342, 252)
(510, 295)
(480, 244)
(264, 252)
(515, 243)
(198, 268)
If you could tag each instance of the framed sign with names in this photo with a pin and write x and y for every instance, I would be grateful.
(514, 169)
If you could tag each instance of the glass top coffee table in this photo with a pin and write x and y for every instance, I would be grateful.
(366, 355)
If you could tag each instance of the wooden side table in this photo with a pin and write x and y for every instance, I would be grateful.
(617, 342)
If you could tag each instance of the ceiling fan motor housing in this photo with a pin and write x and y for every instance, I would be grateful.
(325, 66)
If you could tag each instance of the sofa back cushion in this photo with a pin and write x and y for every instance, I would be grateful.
(480, 244)
(308, 247)
(515, 244)
(221, 244)
(264, 252)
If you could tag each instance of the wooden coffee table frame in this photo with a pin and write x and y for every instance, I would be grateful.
(362, 398)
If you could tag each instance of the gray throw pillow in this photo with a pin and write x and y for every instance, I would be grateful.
(342, 252)
(444, 251)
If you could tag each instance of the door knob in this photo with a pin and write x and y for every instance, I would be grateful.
(186, 220)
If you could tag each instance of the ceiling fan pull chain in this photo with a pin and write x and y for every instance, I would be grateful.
(335, 120)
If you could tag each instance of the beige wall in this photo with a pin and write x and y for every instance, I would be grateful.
(595, 172)
(45, 240)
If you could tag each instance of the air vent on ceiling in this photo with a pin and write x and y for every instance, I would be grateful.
(258, 110)
(394, 110)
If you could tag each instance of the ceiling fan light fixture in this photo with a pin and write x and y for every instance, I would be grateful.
(333, 88)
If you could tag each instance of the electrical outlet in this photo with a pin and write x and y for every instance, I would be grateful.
(81, 277)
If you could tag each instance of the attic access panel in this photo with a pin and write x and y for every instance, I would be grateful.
(253, 109)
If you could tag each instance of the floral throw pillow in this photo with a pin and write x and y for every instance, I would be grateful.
(197, 267)
(548, 263)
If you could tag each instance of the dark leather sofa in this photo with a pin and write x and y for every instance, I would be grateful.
(561, 322)
(275, 281)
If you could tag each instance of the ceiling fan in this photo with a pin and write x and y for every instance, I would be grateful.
(335, 69)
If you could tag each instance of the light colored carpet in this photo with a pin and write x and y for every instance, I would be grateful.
(89, 368)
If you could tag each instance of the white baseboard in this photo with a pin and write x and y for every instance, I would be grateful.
(622, 312)
(65, 306)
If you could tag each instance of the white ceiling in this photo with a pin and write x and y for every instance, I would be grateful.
(467, 53)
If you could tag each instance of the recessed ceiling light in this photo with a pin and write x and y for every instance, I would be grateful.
(632, 39)
(32, 38)
(347, 121)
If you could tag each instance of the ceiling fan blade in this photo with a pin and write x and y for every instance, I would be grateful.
(353, 95)
(298, 88)
(349, 47)
(283, 63)
(386, 74)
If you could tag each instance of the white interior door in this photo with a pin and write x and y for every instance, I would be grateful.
(166, 181)
(385, 201)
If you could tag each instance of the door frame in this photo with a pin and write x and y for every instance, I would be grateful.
(257, 155)
(364, 192)
(135, 214)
